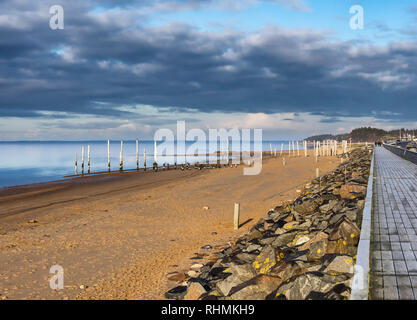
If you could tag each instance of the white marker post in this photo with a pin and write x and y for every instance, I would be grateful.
(155, 156)
(236, 216)
(298, 150)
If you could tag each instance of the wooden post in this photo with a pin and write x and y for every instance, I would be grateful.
(298, 150)
(236, 216)
(108, 155)
(121, 155)
(282, 147)
(317, 172)
(155, 156)
(137, 154)
(76, 165)
(289, 148)
(270, 147)
(82, 160)
(283, 161)
(144, 159)
(88, 161)
(228, 150)
(305, 149)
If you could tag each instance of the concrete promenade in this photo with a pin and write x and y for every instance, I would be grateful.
(394, 228)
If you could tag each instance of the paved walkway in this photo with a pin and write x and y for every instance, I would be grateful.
(394, 228)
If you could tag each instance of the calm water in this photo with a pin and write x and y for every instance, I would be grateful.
(31, 162)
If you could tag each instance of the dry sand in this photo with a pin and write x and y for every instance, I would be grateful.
(119, 235)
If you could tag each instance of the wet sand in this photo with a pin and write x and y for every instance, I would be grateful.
(120, 234)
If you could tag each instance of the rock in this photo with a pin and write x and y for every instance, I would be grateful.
(265, 260)
(253, 247)
(290, 225)
(328, 207)
(207, 247)
(323, 225)
(338, 246)
(301, 286)
(280, 231)
(194, 291)
(307, 206)
(317, 250)
(305, 226)
(205, 208)
(338, 292)
(319, 236)
(176, 293)
(340, 264)
(254, 234)
(301, 240)
(346, 230)
(335, 218)
(352, 191)
(257, 288)
(192, 274)
(196, 266)
(83, 286)
(267, 240)
(352, 215)
(283, 239)
(285, 269)
(176, 276)
(240, 274)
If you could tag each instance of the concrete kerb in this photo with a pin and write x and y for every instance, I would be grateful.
(360, 281)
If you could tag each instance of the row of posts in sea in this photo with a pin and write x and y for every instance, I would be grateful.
(329, 148)
(320, 148)
(187, 165)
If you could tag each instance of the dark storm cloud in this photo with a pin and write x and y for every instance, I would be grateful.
(106, 59)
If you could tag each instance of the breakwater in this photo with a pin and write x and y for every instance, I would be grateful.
(305, 249)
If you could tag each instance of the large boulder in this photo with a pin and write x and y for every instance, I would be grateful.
(284, 239)
(195, 291)
(299, 287)
(265, 260)
(257, 288)
(306, 206)
(340, 264)
(352, 191)
(239, 274)
(346, 230)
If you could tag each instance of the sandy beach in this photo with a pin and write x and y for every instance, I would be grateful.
(118, 235)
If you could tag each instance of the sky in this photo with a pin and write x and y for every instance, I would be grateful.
(123, 69)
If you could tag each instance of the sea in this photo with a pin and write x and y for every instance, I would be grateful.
(28, 162)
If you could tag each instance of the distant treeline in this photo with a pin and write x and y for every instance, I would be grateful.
(365, 134)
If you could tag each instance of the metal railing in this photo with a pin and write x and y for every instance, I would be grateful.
(402, 152)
